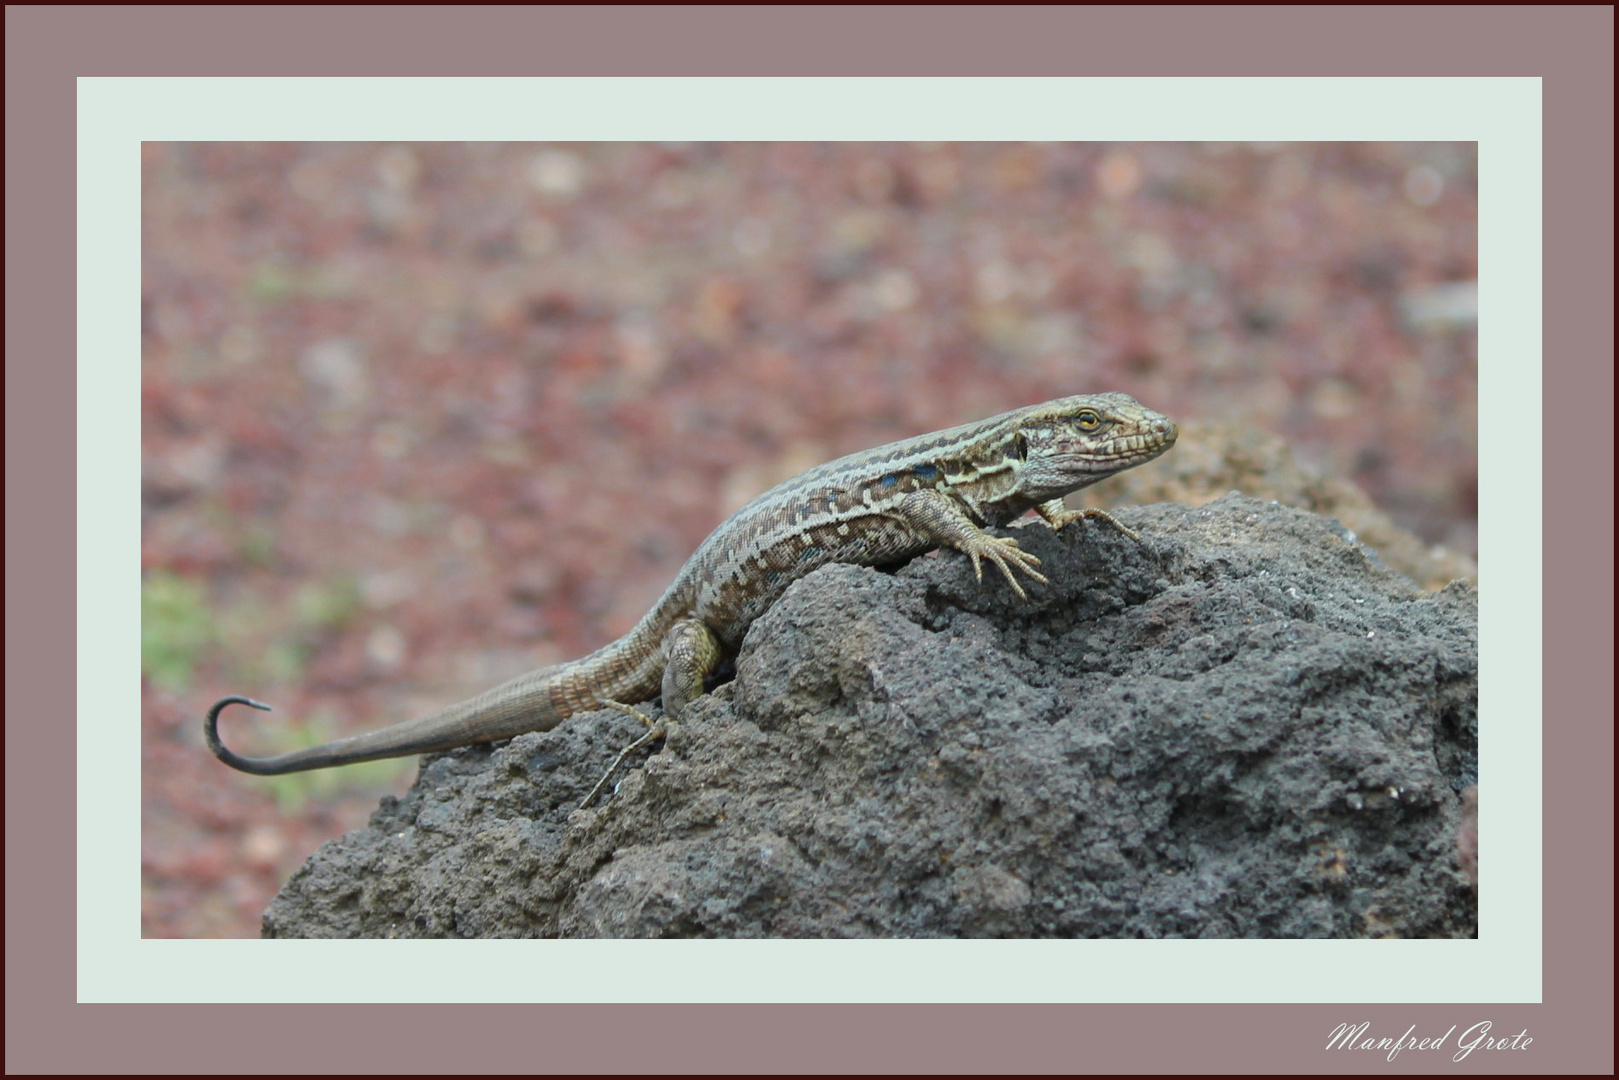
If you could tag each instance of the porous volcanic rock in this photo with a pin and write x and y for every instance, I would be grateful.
(1244, 725)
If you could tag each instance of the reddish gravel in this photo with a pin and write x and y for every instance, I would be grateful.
(420, 417)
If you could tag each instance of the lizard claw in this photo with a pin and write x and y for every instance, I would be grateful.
(653, 735)
(1004, 552)
(637, 713)
(1103, 515)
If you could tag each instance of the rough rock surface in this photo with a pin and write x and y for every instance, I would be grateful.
(1243, 726)
(1213, 458)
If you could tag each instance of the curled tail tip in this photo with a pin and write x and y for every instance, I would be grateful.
(210, 730)
(237, 699)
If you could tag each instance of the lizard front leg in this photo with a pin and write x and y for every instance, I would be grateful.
(1059, 515)
(691, 652)
(941, 520)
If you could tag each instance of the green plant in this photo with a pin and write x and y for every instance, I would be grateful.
(175, 628)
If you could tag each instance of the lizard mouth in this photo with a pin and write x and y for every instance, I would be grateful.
(1126, 450)
(1134, 449)
(1091, 462)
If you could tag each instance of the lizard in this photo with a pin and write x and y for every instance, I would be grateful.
(872, 508)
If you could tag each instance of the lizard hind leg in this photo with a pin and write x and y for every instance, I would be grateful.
(691, 652)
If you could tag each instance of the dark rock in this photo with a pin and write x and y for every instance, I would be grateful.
(1213, 459)
(1242, 726)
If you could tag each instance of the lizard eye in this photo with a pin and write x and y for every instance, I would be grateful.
(1020, 448)
(1088, 419)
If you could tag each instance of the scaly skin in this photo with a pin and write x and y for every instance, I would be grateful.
(877, 507)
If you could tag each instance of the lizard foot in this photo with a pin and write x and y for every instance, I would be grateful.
(1059, 516)
(654, 733)
(1103, 515)
(1004, 552)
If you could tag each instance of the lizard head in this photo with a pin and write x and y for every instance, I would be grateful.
(1073, 442)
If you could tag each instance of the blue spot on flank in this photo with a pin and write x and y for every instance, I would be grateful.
(889, 481)
(925, 472)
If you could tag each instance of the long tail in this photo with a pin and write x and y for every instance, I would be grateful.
(523, 704)
(628, 671)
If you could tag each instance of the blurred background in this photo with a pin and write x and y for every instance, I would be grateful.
(417, 418)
